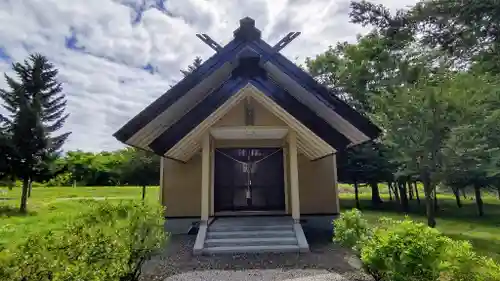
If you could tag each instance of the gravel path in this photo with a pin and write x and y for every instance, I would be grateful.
(326, 261)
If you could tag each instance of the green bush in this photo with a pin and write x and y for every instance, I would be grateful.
(407, 250)
(461, 263)
(403, 250)
(38, 184)
(351, 230)
(105, 242)
(64, 179)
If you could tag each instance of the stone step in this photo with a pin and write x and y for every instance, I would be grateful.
(251, 249)
(255, 227)
(252, 222)
(250, 234)
(226, 242)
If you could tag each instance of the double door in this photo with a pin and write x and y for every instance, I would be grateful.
(249, 179)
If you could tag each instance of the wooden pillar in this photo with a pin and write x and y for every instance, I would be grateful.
(162, 172)
(335, 183)
(205, 177)
(294, 175)
(286, 169)
(212, 178)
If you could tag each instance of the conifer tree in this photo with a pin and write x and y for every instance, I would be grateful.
(197, 62)
(36, 111)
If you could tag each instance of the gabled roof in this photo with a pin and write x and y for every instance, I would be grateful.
(247, 59)
(308, 142)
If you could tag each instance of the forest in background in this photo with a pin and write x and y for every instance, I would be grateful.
(428, 76)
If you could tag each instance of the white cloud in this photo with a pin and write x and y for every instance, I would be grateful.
(104, 79)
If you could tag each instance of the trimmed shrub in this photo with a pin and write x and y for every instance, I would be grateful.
(411, 251)
(403, 250)
(461, 263)
(351, 230)
(64, 179)
(106, 242)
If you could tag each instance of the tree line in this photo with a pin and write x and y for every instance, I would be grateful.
(428, 76)
(31, 139)
(128, 166)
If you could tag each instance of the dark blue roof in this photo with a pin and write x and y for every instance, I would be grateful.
(247, 52)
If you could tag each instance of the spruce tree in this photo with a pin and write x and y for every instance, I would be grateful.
(5, 149)
(197, 62)
(36, 111)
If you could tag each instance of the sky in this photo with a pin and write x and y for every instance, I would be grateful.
(117, 56)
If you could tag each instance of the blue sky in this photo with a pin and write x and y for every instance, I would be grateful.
(117, 56)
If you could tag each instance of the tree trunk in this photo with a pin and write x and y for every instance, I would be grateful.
(498, 191)
(436, 205)
(396, 192)
(479, 200)
(24, 196)
(410, 190)
(356, 195)
(429, 198)
(416, 192)
(11, 184)
(390, 190)
(404, 196)
(456, 192)
(143, 192)
(29, 188)
(375, 194)
(464, 193)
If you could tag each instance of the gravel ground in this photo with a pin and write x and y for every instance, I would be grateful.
(326, 261)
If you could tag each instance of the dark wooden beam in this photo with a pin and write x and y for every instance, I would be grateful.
(301, 112)
(193, 118)
(210, 42)
(285, 41)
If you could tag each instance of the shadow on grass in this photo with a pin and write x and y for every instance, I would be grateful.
(447, 210)
(10, 211)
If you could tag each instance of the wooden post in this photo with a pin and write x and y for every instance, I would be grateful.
(294, 176)
(212, 179)
(162, 172)
(205, 177)
(285, 175)
(335, 183)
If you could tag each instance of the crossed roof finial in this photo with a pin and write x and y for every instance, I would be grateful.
(248, 32)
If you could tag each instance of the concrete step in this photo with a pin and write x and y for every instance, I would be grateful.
(251, 249)
(251, 222)
(250, 234)
(255, 227)
(253, 219)
(226, 242)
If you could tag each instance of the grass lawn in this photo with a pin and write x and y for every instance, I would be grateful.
(51, 207)
(458, 223)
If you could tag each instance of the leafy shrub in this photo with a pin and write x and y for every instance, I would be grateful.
(403, 250)
(351, 230)
(38, 184)
(106, 242)
(461, 263)
(407, 250)
(64, 179)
